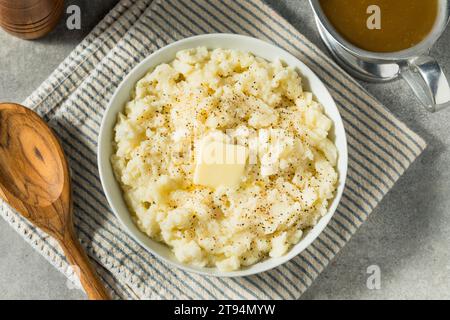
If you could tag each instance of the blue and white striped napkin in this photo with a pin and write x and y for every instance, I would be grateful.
(74, 98)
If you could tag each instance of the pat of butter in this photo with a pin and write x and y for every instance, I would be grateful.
(220, 164)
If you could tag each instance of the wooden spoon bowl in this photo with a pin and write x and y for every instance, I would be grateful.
(35, 181)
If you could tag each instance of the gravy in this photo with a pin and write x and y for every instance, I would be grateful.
(404, 23)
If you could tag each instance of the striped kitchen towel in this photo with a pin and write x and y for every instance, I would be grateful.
(73, 101)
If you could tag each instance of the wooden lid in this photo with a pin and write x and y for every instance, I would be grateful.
(30, 19)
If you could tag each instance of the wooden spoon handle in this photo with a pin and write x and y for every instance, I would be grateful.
(89, 279)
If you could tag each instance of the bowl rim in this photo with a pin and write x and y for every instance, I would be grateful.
(103, 161)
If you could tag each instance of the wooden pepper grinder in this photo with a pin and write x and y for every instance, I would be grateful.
(30, 19)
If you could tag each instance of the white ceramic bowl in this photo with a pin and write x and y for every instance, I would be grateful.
(167, 54)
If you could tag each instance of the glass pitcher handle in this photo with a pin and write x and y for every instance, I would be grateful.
(428, 81)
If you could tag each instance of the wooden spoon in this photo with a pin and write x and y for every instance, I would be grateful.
(35, 180)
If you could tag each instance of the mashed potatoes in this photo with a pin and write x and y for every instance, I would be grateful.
(239, 99)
